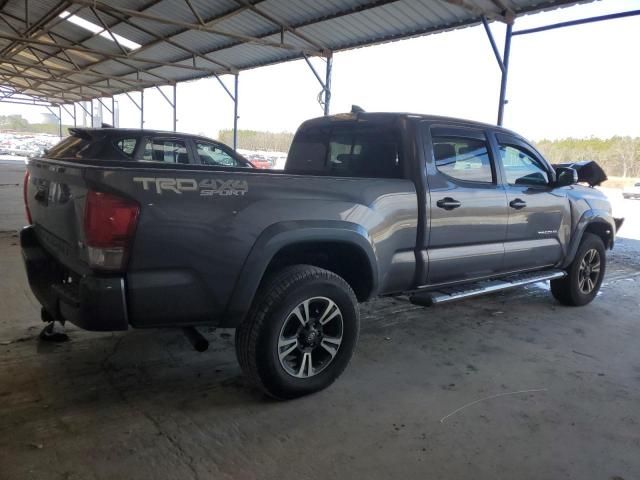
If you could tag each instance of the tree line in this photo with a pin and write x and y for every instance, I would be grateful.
(257, 140)
(18, 123)
(618, 156)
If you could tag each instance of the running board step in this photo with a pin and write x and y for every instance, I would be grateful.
(449, 294)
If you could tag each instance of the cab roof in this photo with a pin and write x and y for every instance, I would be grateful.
(392, 117)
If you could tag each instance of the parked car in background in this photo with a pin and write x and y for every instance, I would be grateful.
(120, 144)
(265, 159)
(261, 161)
(25, 144)
(632, 192)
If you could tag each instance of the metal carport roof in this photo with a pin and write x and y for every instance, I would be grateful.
(50, 54)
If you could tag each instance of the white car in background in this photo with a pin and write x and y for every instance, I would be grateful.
(632, 192)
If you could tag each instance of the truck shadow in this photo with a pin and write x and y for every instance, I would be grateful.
(141, 364)
(147, 368)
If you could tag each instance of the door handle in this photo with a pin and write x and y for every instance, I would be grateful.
(448, 203)
(517, 203)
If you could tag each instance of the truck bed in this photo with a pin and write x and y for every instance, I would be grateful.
(201, 228)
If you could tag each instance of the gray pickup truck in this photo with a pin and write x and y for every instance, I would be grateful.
(369, 204)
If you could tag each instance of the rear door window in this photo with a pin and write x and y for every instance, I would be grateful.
(165, 150)
(465, 159)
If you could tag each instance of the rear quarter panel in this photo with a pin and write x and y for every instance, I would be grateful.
(199, 227)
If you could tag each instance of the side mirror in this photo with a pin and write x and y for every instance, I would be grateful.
(566, 176)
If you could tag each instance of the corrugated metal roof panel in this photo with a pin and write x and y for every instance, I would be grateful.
(202, 41)
(246, 22)
(132, 33)
(170, 39)
(37, 9)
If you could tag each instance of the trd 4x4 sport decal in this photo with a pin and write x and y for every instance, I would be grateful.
(208, 187)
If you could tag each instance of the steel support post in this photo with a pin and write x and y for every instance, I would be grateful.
(92, 125)
(86, 112)
(175, 108)
(71, 113)
(172, 103)
(113, 113)
(58, 116)
(327, 84)
(324, 97)
(141, 109)
(505, 72)
(235, 113)
(75, 115)
(139, 106)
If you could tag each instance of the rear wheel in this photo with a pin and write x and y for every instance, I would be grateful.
(584, 275)
(300, 333)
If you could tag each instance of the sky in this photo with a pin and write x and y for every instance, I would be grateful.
(579, 81)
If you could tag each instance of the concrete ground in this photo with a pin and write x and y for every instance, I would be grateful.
(508, 386)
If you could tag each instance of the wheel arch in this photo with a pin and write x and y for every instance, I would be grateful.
(341, 247)
(594, 222)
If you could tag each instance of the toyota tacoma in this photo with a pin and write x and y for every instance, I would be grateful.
(158, 233)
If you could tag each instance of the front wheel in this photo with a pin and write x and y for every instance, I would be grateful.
(300, 333)
(584, 275)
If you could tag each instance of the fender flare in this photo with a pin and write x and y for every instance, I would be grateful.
(283, 234)
(589, 217)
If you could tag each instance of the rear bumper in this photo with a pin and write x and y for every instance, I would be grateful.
(90, 302)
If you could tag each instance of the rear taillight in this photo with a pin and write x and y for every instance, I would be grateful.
(109, 224)
(25, 190)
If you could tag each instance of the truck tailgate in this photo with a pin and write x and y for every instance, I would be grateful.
(55, 197)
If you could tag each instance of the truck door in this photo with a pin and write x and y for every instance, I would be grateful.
(467, 219)
(539, 215)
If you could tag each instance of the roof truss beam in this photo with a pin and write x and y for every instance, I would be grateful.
(167, 38)
(368, 6)
(68, 59)
(126, 19)
(66, 72)
(35, 27)
(281, 24)
(46, 95)
(25, 101)
(197, 27)
(106, 55)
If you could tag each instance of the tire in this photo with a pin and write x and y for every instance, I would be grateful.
(273, 327)
(575, 289)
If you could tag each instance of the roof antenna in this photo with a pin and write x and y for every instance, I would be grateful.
(356, 109)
